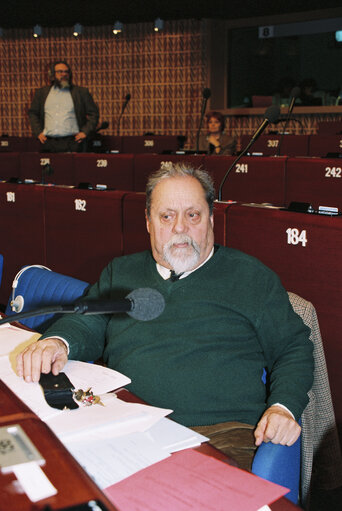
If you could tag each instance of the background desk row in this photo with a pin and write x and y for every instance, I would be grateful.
(278, 180)
(77, 232)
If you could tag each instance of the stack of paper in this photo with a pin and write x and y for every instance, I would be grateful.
(112, 441)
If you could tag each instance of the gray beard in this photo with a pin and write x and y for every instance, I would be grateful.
(62, 84)
(181, 260)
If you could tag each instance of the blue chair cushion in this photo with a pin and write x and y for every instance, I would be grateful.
(40, 288)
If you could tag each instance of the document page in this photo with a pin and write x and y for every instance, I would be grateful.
(191, 481)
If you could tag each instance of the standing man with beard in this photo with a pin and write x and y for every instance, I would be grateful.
(226, 318)
(63, 115)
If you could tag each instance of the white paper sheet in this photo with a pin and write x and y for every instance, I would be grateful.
(111, 460)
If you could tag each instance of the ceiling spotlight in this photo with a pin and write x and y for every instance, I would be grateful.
(117, 27)
(78, 29)
(158, 25)
(37, 31)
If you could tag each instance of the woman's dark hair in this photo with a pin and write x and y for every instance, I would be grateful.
(218, 116)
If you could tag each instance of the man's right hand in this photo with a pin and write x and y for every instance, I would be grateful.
(42, 138)
(42, 357)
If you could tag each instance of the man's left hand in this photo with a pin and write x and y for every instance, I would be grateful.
(277, 426)
(80, 136)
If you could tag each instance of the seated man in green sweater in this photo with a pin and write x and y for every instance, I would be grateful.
(226, 318)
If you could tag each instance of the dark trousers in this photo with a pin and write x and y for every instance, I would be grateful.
(235, 439)
(62, 145)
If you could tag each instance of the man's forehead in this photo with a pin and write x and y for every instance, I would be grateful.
(173, 192)
(61, 67)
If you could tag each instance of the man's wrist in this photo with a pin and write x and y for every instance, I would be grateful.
(284, 408)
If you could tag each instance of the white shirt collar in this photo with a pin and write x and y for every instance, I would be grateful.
(165, 272)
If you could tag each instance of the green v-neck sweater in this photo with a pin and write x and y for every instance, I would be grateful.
(203, 357)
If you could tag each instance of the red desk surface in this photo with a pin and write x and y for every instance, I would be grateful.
(22, 230)
(32, 166)
(9, 165)
(252, 179)
(83, 230)
(268, 145)
(113, 170)
(314, 180)
(145, 164)
(321, 145)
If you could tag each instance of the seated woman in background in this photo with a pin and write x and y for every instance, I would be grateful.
(215, 141)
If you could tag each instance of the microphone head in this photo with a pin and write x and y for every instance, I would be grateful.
(295, 92)
(128, 97)
(206, 93)
(147, 304)
(272, 113)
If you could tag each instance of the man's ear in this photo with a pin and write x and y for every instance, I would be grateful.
(147, 222)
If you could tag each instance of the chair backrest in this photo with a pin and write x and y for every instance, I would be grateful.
(316, 455)
(321, 461)
(36, 287)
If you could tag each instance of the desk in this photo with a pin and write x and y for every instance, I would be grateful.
(73, 484)
(282, 504)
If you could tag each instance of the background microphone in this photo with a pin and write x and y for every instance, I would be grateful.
(143, 304)
(103, 126)
(206, 95)
(271, 115)
(125, 103)
(294, 94)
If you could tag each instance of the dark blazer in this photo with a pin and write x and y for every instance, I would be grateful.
(87, 112)
(228, 144)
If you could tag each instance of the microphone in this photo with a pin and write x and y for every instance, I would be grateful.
(206, 95)
(294, 94)
(143, 304)
(271, 115)
(125, 103)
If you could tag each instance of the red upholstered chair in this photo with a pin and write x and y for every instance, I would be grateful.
(22, 229)
(83, 230)
(314, 180)
(305, 251)
(61, 165)
(9, 165)
(113, 170)
(253, 179)
(145, 164)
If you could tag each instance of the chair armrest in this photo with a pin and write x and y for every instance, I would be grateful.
(279, 464)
